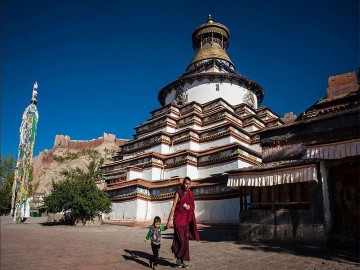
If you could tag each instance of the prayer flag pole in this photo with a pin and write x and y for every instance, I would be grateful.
(20, 208)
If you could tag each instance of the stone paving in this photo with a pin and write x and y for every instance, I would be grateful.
(35, 245)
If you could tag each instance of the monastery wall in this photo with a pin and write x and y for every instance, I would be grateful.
(133, 174)
(188, 170)
(208, 211)
(215, 143)
(165, 129)
(152, 174)
(218, 168)
(64, 141)
(185, 145)
(124, 210)
(218, 211)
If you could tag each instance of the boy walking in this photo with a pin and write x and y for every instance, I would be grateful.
(154, 235)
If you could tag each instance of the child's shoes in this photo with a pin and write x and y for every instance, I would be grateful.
(150, 263)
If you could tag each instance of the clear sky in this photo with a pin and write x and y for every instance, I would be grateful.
(101, 64)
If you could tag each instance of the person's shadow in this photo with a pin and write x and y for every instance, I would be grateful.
(143, 258)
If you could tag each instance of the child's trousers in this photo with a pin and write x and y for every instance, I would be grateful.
(155, 249)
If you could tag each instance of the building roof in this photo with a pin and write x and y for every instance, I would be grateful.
(342, 98)
(275, 173)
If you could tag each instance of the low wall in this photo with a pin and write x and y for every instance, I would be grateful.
(96, 220)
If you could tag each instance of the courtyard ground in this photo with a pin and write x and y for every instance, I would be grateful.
(37, 245)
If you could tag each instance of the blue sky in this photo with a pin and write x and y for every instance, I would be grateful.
(101, 64)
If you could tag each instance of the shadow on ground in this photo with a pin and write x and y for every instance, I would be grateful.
(213, 234)
(143, 258)
(336, 252)
(341, 252)
(57, 223)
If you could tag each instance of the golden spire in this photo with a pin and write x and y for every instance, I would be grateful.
(210, 41)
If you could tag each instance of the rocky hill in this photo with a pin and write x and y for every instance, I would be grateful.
(67, 154)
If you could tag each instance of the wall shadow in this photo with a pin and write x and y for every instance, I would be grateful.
(347, 254)
(210, 234)
(344, 252)
(216, 234)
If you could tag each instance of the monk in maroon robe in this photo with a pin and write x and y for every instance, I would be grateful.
(185, 226)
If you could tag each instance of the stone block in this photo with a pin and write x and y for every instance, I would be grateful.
(284, 232)
(87, 221)
(283, 216)
(256, 231)
(55, 217)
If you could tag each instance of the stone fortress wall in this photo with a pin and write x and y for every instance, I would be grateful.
(47, 168)
(64, 141)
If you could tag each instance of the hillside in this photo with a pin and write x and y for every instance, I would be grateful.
(67, 154)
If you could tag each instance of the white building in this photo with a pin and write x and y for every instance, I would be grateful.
(208, 124)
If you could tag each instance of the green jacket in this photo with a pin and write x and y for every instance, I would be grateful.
(155, 234)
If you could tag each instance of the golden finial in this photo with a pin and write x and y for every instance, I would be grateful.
(210, 19)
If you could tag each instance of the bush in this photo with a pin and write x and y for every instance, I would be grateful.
(7, 168)
(78, 194)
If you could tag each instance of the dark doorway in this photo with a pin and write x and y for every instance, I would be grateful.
(345, 200)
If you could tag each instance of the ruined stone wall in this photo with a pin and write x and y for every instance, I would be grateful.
(342, 84)
(64, 141)
(82, 145)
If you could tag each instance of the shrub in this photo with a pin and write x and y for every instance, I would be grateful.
(78, 194)
(7, 168)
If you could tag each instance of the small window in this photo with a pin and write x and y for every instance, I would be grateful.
(217, 87)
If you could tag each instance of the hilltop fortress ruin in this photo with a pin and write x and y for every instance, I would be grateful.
(67, 153)
(64, 141)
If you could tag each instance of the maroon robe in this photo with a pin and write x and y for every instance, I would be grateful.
(184, 225)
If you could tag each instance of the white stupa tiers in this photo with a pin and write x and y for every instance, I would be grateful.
(207, 125)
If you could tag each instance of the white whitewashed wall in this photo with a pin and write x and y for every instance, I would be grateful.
(212, 211)
(152, 173)
(205, 91)
(217, 168)
(218, 211)
(125, 210)
(182, 171)
(131, 175)
(215, 143)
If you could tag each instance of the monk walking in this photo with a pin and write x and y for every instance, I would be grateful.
(183, 209)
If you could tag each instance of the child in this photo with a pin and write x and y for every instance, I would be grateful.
(155, 235)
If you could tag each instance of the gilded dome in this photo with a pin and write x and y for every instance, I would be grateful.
(210, 41)
(211, 51)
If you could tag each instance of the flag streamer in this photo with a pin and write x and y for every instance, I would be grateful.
(20, 208)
